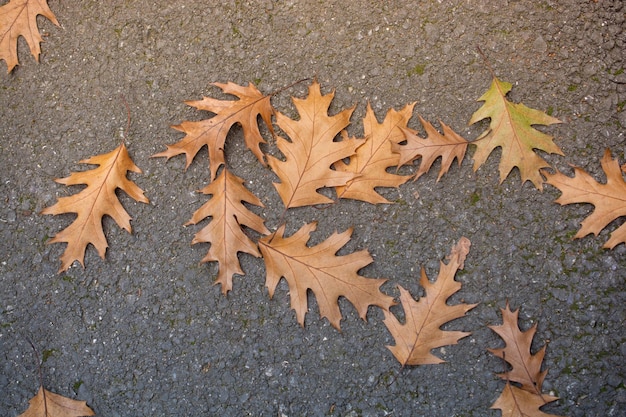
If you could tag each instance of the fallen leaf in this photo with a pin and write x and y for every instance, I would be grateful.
(527, 399)
(320, 270)
(375, 156)
(312, 150)
(19, 18)
(608, 199)
(422, 330)
(448, 146)
(212, 132)
(526, 367)
(94, 202)
(516, 402)
(224, 232)
(511, 129)
(49, 404)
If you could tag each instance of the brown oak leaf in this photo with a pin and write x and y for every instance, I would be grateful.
(608, 199)
(448, 146)
(312, 150)
(525, 367)
(422, 330)
(516, 402)
(212, 132)
(94, 202)
(49, 404)
(511, 129)
(224, 233)
(320, 270)
(522, 394)
(375, 156)
(19, 18)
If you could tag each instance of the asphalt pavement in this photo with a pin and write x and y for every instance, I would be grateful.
(146, 333)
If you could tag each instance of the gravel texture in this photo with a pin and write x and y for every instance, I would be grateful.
(145, 333)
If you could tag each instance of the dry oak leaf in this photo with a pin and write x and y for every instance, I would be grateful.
(422, 330)
(608, 199)
(19, 18)
(511, 129)
(94, 202)
(526, 368)
(49, 404)
(375, 156)
(312, 150)
(212, 132)
(224, 232)
(320, 270)
(516, 402)
(448, 146)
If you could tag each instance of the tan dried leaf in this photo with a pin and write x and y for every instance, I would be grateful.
(49, 404)
(526, 367)
(94, 202)
(312, 150)
(375, 156)
(212, 132)
(516, 402)
(448, 146)
(422, 330)
(19, 18)
(608, 199)
(224, 232)
(320, 270)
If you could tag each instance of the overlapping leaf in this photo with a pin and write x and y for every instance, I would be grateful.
(511, 129)
(94, 202)
(422, 330)
(526, 399)
(312, 150)
(608, 199)
(224, 232)
(19, 18)
(212, 132)
(516, 402)
(320, 270)
(49, 404)
(448, 146)
(375, 156)
(526, 367)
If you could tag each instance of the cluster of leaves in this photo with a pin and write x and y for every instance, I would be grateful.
(318, 153)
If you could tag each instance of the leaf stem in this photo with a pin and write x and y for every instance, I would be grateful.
(487, 63)
(40, 372)
(280, 90)
(127, 116)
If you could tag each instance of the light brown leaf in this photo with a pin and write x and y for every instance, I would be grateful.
(19, 18)
(516, 402)
(511, 129)
(372, 159)
(212, 132)
(49, 404)
(608, 199)
(422, 330)
(94, 202)
(320, 270)
(526, 367)
(448, 146)
(224, 232)
(312, 150)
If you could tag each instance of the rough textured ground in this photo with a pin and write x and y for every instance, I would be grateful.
(144, 332)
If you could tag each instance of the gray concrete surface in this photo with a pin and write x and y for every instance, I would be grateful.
(145, 333)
